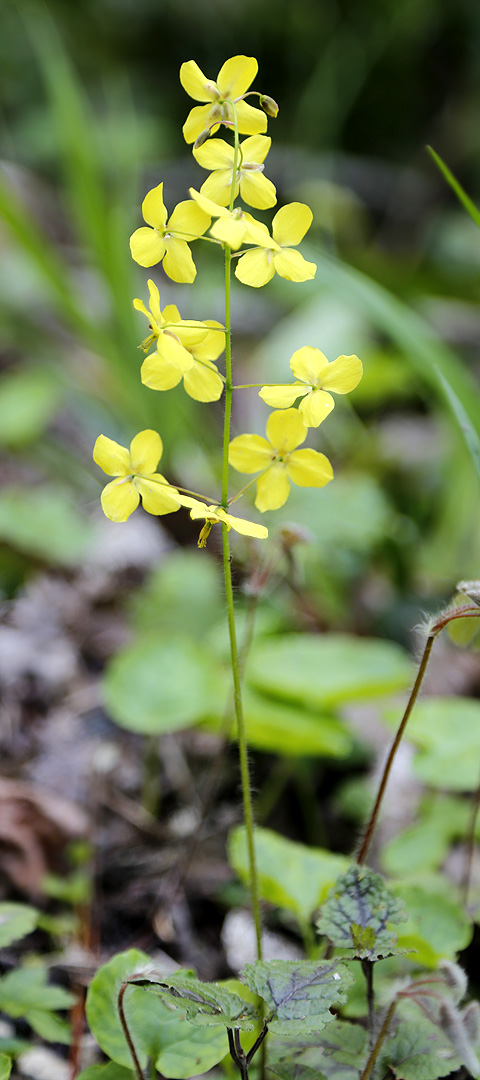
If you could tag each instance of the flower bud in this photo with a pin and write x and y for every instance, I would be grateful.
(470, 589)
(471, 1021)
(269, 105)
(455, 978)
(202, 138)
(205, 533)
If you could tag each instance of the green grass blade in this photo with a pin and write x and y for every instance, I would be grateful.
(465, 199)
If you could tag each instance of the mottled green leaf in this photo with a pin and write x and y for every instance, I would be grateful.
(358, 913)
(178, 1048)
(418, 1051)
(338, 1053)
(291, 875)
(327, 670)
(162, 683)
(299, 994)
(16, 921)
(204, 1004)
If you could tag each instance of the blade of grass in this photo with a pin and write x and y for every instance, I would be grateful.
(465, 199)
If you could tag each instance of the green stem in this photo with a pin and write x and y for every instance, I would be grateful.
(237, 692)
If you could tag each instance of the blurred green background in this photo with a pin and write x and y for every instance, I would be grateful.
(91, 117)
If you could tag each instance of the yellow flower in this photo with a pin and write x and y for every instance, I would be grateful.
(275, 254)
(202, 380)
(216, 515)
(135, 470)
(317, 376)
(255, 189)
(233, 227)
(173, 336)
(233, 80)
(279, 459)
(166, 241)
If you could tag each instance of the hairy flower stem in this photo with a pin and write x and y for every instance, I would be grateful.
(126, 1032)
(381, 1036)
(439, 624)
(237, 691)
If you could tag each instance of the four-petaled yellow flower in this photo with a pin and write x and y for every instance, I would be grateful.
(233, 80)
(135, 472)
(167, 241)
(217, 515)
(276, 255)
(202, 380)
(280, 461)
(232, 227)
(317, 376)
(255, 188)
(173, 336)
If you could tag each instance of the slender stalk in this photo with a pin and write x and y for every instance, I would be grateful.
(381, 1036)
(471, 845)
(368, 969)
(126, 1032)
(467, 612)
(237, 692)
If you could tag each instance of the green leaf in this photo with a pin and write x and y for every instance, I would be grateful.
(162, 683)
(42, 522)
(277, 728)
(418, 1051)
(16, 921)
(291, 875)
(465, 199)
(423, 846)
(5, 1067)
(185, 590)
(294, 1070)
(447, 733)
(112, 1071)
(49, 1026)
(327, 670)
(299, 994)
(26, 988)
(204, 1004)
(28, 399)
(178, 1048)
(437, 925)
(336, 1055)
(358, 912)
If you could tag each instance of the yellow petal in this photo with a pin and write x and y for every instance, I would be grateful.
(170, 349)
(195, 82)
(291, 223)
(343, 374)
(315, 407)
(283, 395)
(249, 453)
(236, 75)
(273, 488)
(286, 430)
(213, 344)
(188, 220)
(308, 468)
(257, 233)
(229, 230)
(200, 510)
(255, 268)
(140, 306)
(153, 208)
(155, 302)
(291, 265)
(241, 525)
(218, 187)
(257, 190)
(189, 332)
(171, 314)
(203, 383)
(147, 246)
(145, 451)
(158, 497)
(308, 364)
(255, 148)
(119, 499)
(250, 121)
(197, 120)
(214, 154)
(159, 374)
(211, 208)
(112, 458)
(178, 262)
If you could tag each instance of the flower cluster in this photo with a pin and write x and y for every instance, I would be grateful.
(186, 350)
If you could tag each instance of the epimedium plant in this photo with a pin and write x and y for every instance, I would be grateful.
(415, 1026)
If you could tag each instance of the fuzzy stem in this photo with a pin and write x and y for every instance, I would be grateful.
(126, 1032)
(237, 692)
(381, 1035)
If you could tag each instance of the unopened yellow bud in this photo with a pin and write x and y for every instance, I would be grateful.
(269, 105)
(202, 138)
